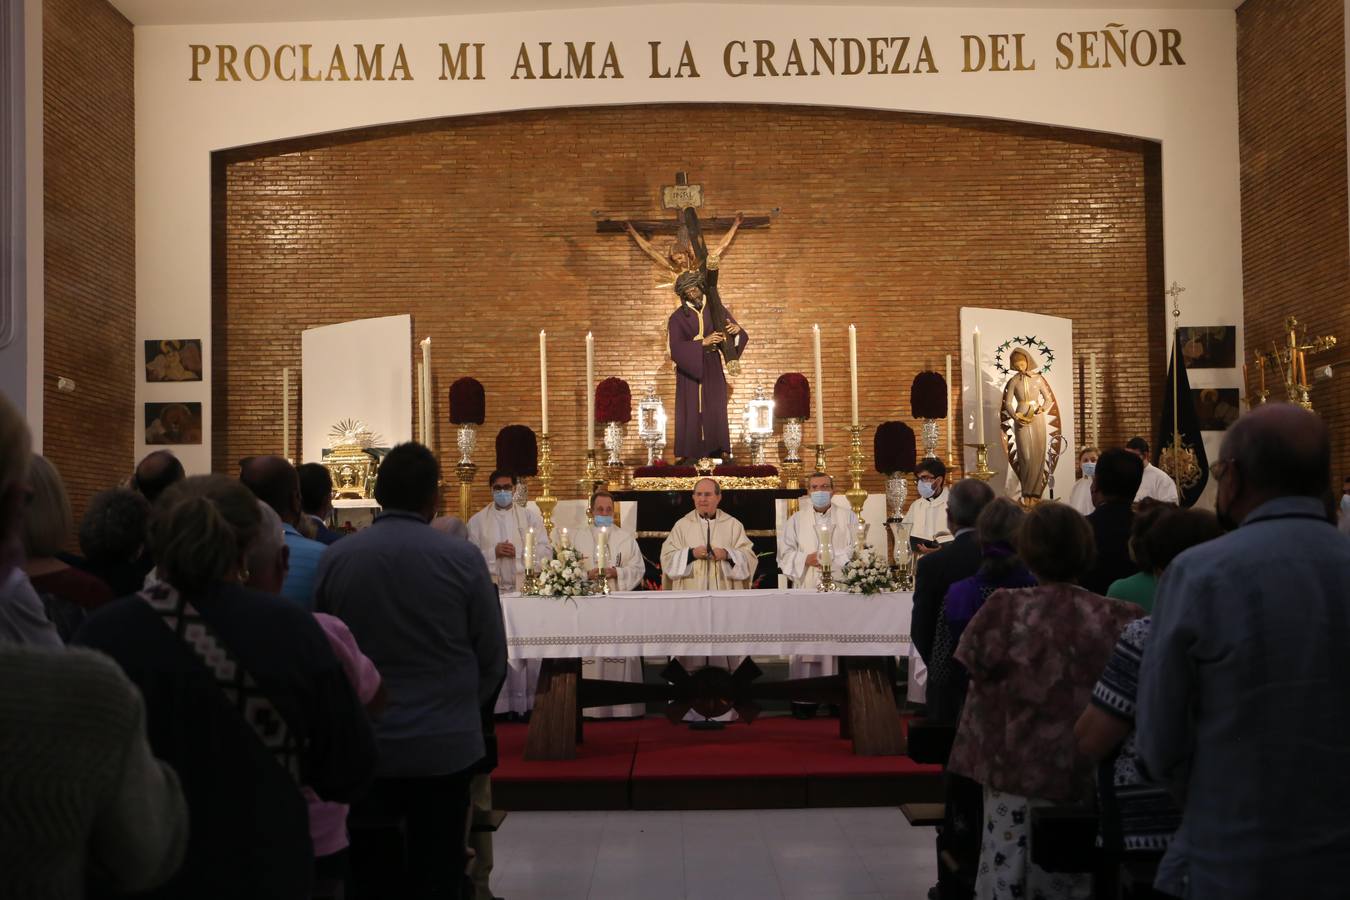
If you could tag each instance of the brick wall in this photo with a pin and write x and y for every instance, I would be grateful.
(90, 234)
(1291, 105)
(482, 229)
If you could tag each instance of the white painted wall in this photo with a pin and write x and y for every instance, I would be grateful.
(1191, 110)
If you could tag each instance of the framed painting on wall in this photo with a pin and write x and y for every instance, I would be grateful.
(173, 423)
(1208, 346)
(1216, 408)
(173, 360)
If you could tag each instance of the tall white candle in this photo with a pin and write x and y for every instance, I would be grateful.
(824, 545)
(590, 392)
(949, 403)
(853, 372)
(979, 391)
(428, 406)
(529, 548)
(421, 402)
(1092, 398)
(286, 412)
(602, 551)
(819, 388)
(543, 380)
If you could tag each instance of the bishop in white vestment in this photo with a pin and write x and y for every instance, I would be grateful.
(799, 555)
(499, 532)
(624, 568)
(708, 550)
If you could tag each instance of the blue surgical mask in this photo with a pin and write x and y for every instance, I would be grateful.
(1089, 469)
(503, 499)
(927, 489)
(604, 521)
(820, 499)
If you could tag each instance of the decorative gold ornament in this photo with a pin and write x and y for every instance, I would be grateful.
(546, 501)
(348, 461)
(856, 495)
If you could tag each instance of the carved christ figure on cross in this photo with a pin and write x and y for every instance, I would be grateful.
(680, 256)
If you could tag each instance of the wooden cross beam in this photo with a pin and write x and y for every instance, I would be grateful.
(648, 227)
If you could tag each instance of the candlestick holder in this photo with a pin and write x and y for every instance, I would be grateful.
(982, 470)
(546, 501)
(826, 575)
(591, 480)
(855, 494)
(601, 561)
(529, 586)
(820, 458)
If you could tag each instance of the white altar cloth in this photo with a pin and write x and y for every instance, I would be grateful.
(719, 623)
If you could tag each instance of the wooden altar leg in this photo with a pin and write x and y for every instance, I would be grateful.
(555, 724)
(873, 717)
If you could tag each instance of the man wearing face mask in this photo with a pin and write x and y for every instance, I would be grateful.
(1243, 689)
(927, 516)
(799, 558)
(1080, 498)
(623, 568)
(498, 531)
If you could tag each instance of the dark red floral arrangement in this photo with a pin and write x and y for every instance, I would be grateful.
(792, 396)
(518, 451)
(467, 402)
(613, 401)
(928, 396)
(893, 448)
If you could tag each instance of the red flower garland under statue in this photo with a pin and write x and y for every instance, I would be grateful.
(613, 402)
(894, 448)
(467, 402)
(792, 397)
(518, 451)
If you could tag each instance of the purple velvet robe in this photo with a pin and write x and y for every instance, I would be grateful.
(700, 385)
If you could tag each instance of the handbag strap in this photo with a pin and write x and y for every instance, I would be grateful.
(239, 687)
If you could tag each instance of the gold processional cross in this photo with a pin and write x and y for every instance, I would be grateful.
(1291, 361)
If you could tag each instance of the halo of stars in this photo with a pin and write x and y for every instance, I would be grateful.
(1030, 342)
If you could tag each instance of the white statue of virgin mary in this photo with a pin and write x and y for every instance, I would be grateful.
(1029, 416)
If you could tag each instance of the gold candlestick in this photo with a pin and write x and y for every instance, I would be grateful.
(590, 480)
(465, 472)
(546, 501)
(820, 458)
(790, 476)
(855, 494)
(982, 470)
(616, 475)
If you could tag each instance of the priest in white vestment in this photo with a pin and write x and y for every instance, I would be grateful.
(927, 515)
(1080, 498)
(623, 568)
(708, 550)
(499, 530)
(928, 527)
(1156, 484)
(799, 555)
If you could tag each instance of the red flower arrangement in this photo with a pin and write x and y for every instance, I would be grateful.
(792, 396)
(893, 448)
(613, 402)
(518, 451)
(467, 402)
(928, 396)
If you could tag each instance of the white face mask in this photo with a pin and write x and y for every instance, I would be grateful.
(1088, 469)
(927, 489)
(820, 499)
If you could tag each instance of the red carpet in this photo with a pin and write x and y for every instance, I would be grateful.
(619, 759)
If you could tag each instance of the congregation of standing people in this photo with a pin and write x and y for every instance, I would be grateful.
(218, 697)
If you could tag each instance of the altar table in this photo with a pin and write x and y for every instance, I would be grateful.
(867, 632)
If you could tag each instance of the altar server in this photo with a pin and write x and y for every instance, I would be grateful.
(927, 515)
(499, 531)
(799, 555)
(1080, 498)
(623, 568)
(707, 550)
(1157, 484)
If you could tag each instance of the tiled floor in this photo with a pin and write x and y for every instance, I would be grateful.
(794, 854)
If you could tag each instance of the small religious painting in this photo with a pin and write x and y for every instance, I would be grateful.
(1216, 408)
(1208, 346)
(173, 423)
(173, 360)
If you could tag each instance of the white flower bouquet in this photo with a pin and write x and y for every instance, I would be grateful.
(563, 576)
(868, 573)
